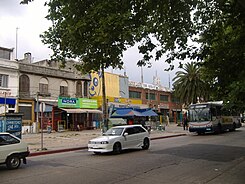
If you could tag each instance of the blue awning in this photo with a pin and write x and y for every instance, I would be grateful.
(130, 112)
(10, 101)
(125, 112)
(149, 113)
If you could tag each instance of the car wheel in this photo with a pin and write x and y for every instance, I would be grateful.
(97, 153)
(13, 162)
(117, 148)
(146, 144)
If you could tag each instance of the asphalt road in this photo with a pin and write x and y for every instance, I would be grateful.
(211, 159)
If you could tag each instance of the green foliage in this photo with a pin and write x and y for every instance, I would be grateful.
(223, 51)
(98, 32)
(189, 86)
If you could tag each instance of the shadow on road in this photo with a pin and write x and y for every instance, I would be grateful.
(219, 153)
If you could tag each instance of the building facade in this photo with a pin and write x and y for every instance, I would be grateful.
(160, 99)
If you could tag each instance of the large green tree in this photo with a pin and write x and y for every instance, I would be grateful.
(223, 52)
(98, 32)
(189, 86)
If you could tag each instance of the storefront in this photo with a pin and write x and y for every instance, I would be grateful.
(78, 114)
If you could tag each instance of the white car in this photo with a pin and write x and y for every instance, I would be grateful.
(119, 138)
(12, 150)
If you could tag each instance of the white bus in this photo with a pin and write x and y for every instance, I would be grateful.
(210, 117)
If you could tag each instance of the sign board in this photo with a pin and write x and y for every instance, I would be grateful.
(68, 102)
(11, 123)
(78, 103)
(42, 107)
(86, 103)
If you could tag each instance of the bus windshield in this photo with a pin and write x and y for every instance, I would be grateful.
(199, 114)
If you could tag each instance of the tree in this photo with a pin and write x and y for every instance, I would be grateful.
(223, 53)
(188, 84)
(98, 32)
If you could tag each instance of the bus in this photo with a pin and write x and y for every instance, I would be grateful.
(211, 117)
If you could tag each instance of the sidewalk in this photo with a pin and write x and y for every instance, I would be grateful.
(73, 140)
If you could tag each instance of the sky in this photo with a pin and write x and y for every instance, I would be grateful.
(21, 26)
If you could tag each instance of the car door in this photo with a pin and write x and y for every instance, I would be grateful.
(130, 138)
(141, 134)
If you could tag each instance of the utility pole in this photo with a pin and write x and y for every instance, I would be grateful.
(142, 79)
(16, 44)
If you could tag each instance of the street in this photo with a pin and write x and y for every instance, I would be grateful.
(211, 159)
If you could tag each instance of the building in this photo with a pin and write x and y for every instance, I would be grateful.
(157, 97)
(8, 81)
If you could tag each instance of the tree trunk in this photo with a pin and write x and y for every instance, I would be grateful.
(104, 101)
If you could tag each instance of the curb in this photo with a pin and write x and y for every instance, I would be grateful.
(85, 147)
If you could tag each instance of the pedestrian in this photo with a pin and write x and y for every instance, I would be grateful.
(167, 119)
(185, 122)
(49, 127)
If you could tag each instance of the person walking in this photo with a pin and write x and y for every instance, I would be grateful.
(167, 120)
(185, 122)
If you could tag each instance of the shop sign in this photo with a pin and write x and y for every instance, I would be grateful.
(86, 103)
(68, 102)
(78, 103)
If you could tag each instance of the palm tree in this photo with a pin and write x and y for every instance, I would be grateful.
(188, 84)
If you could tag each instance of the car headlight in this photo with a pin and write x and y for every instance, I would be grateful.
(104, 142)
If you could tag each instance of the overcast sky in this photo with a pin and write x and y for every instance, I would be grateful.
(27, 22)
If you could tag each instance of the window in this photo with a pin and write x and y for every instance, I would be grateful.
(64, 88)
(24, 84)
(5, 54)
(79, 89)
(135, 94)
(175, 99)
(43, 86)
(7, 139)
(85, 92)
(4, 80)
(164, 98)
(151, 95)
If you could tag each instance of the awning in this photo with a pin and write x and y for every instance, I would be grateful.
(149, 113)
(74, 111)
(121, 113)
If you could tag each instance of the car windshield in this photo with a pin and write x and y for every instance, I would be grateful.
(114, 131)
(199, 115)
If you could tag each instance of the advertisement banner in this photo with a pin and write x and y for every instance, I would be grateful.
(86, 103)
(68, 102)
(78, 103)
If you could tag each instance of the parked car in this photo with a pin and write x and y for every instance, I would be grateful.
(12, 150)
(119, 138)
